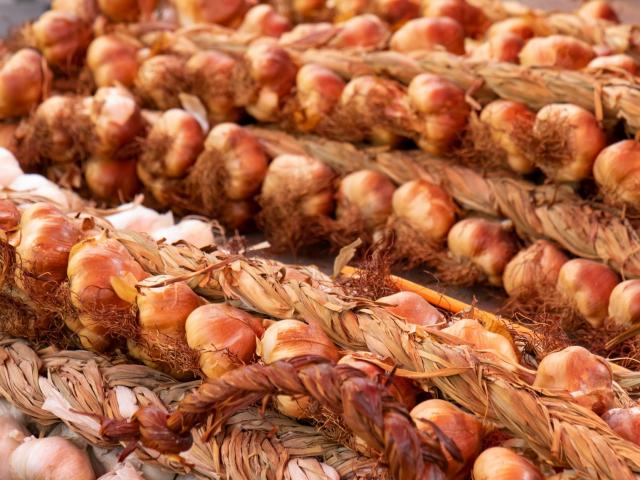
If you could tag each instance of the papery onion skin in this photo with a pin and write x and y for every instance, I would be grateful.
(369, 193)
(62, 37)
(221, 12)
(429, 34)
(412, 308)
(534, 269)
(12, 434)
(625, 422)
(160, 79)
(624, 304)
(112, 180)
(9, 215)
(126, 10)
(363, 31)
(586, 377)
(23, 83)
(598, 10)
(461, 428)
(113, 59)
(523, 27)
(472, 18)
(50, 458)
(498, 463)
(559, 51)
(262, 20)
(617, 173)
(318, 91)
(287, 339)
(504, 47)
(586, 286)
(482, 339)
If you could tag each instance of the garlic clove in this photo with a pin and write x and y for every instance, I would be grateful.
(472, 332)
(499, 463)
(624, 304)
(412, 308)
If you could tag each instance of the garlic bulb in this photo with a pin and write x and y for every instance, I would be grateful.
(575, 371)
(94, 265)
(224, 335)
(139, 219)
(482, 339)
(9, 216)
(412, 308)
(462, 429)
(309, 469)
(112, 180)
(426, 208)
(469, 16)
(12, 434)
(160, 80)
(559, 51)
(51, 458)
(509, 124)
(624, 303)
(244, 163)
(499, 463)
(263, 20)
(598, 10)
(570, 138)
(195, 232)
(274, 72)
(443, 109)
(221, 12)
(62, 37)
(9, 168)
(487, 244)
(116, 119)
(586, 286)
(625, 422)
(366, 194)
(23, 83)
(362, 31)
(287, 339)
(619, 62)
(113, 59)
(307, 180)
(318, 91)
(617, 172)
(46, 236)
(429, 34)
(534, 269)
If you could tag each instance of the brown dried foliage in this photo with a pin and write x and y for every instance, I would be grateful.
(373, 279)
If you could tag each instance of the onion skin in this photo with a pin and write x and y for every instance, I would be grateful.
(586, 377)
(463, 429)
(598, 10)
(617, 173)
(533, 270)
(9, 215)
(624, 304)
(62, 37)
(472, 18)
(558, 51)
(614, 62)
(113, 59)
(586, 286)
(412, 308)
(127, 10)
(51, 458)
(482, 339)
(12, 434)
(499, 463)
(504, 47)
(287, 339)
(369, 193)
(523, 27)
(427, 208)
(160, 79)
(394, 12)
(625, 422)
(112, 180)
(318, 91)
(429, 34)
(55, 119)
(23, 83)
(221, 12)
(263, 20)
(185, 137)
(363, 31)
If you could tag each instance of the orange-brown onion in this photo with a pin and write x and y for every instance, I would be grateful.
(617, 173)
(624, 303)
(262, 20)
(62, 37)
(586, 286)
(412, 308)
(318, 91)
(487, 244)
(498, 463)
(395, 12)
(274, 72)
(570, 138)
(460, 427)
(525, 27)
(442, 107)
(575, 371)
(24, 80)
(534, 269)
(619, 62)
(94, 263)
(84, 9)
(243, 159)
(509, 123)
(43, 242)
(625, 422)
(504, 47)
(182, 139)
(426, 208)
(113, 59)
(598, 10)
(112, 180)
(8, 137)
(559, 51)
(429, 34)
(472, 18)
(224, 335)
(288, 339)
(127, 10)
(160, 79)
(367, 193)
(363, 31)
(482, 339)
(221, 12)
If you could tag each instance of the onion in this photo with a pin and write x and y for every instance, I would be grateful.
(263, 20)
(62, 37)
(472, 18)
(620, 62)
(524, 27)
(429, 34)
(617, 173)
(160, 79)
(570, 139)
(624, 303)
(559, 51)
(8, 139)
(288, 339)
(127, 10)
(503, 47)
(499, 463)
(12, 434)
(113, 59)
(395, 12)
(363, 31)
(51, 458)
(24, 80)
(482, 339)
(112, 180)
(9, 168)
(318, 91)
(625, 422)
(412, 308)
(443, 109)
(598, 10)
(586, 286)
(367, 195)
(221, 12)
(84, 9)
(534, 270)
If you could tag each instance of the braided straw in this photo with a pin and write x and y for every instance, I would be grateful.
(82, 389)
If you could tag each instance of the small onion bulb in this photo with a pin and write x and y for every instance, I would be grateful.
(412, 308)
(12, 434)
(51, 458)
(262, 20)
(367, 194)
(9, 216)
(318, 91)
(617, 173)
(85, 9)
(363, 31)
(485, 243)
(126, 10)
(469, 16)
(598, 10)
(482, 339)
(498, 463)
(534, 269)
(429, 34)
(113, 59)
(614, 62)
(625, 422)
(462, 428)
(585, 377)
(62, 37)
(524, 27)
(221, 12)
(624, 303)
(23, 83)
(112, 180)
(558, 51)
(160, 79)
(586, 286)
(504, 47)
